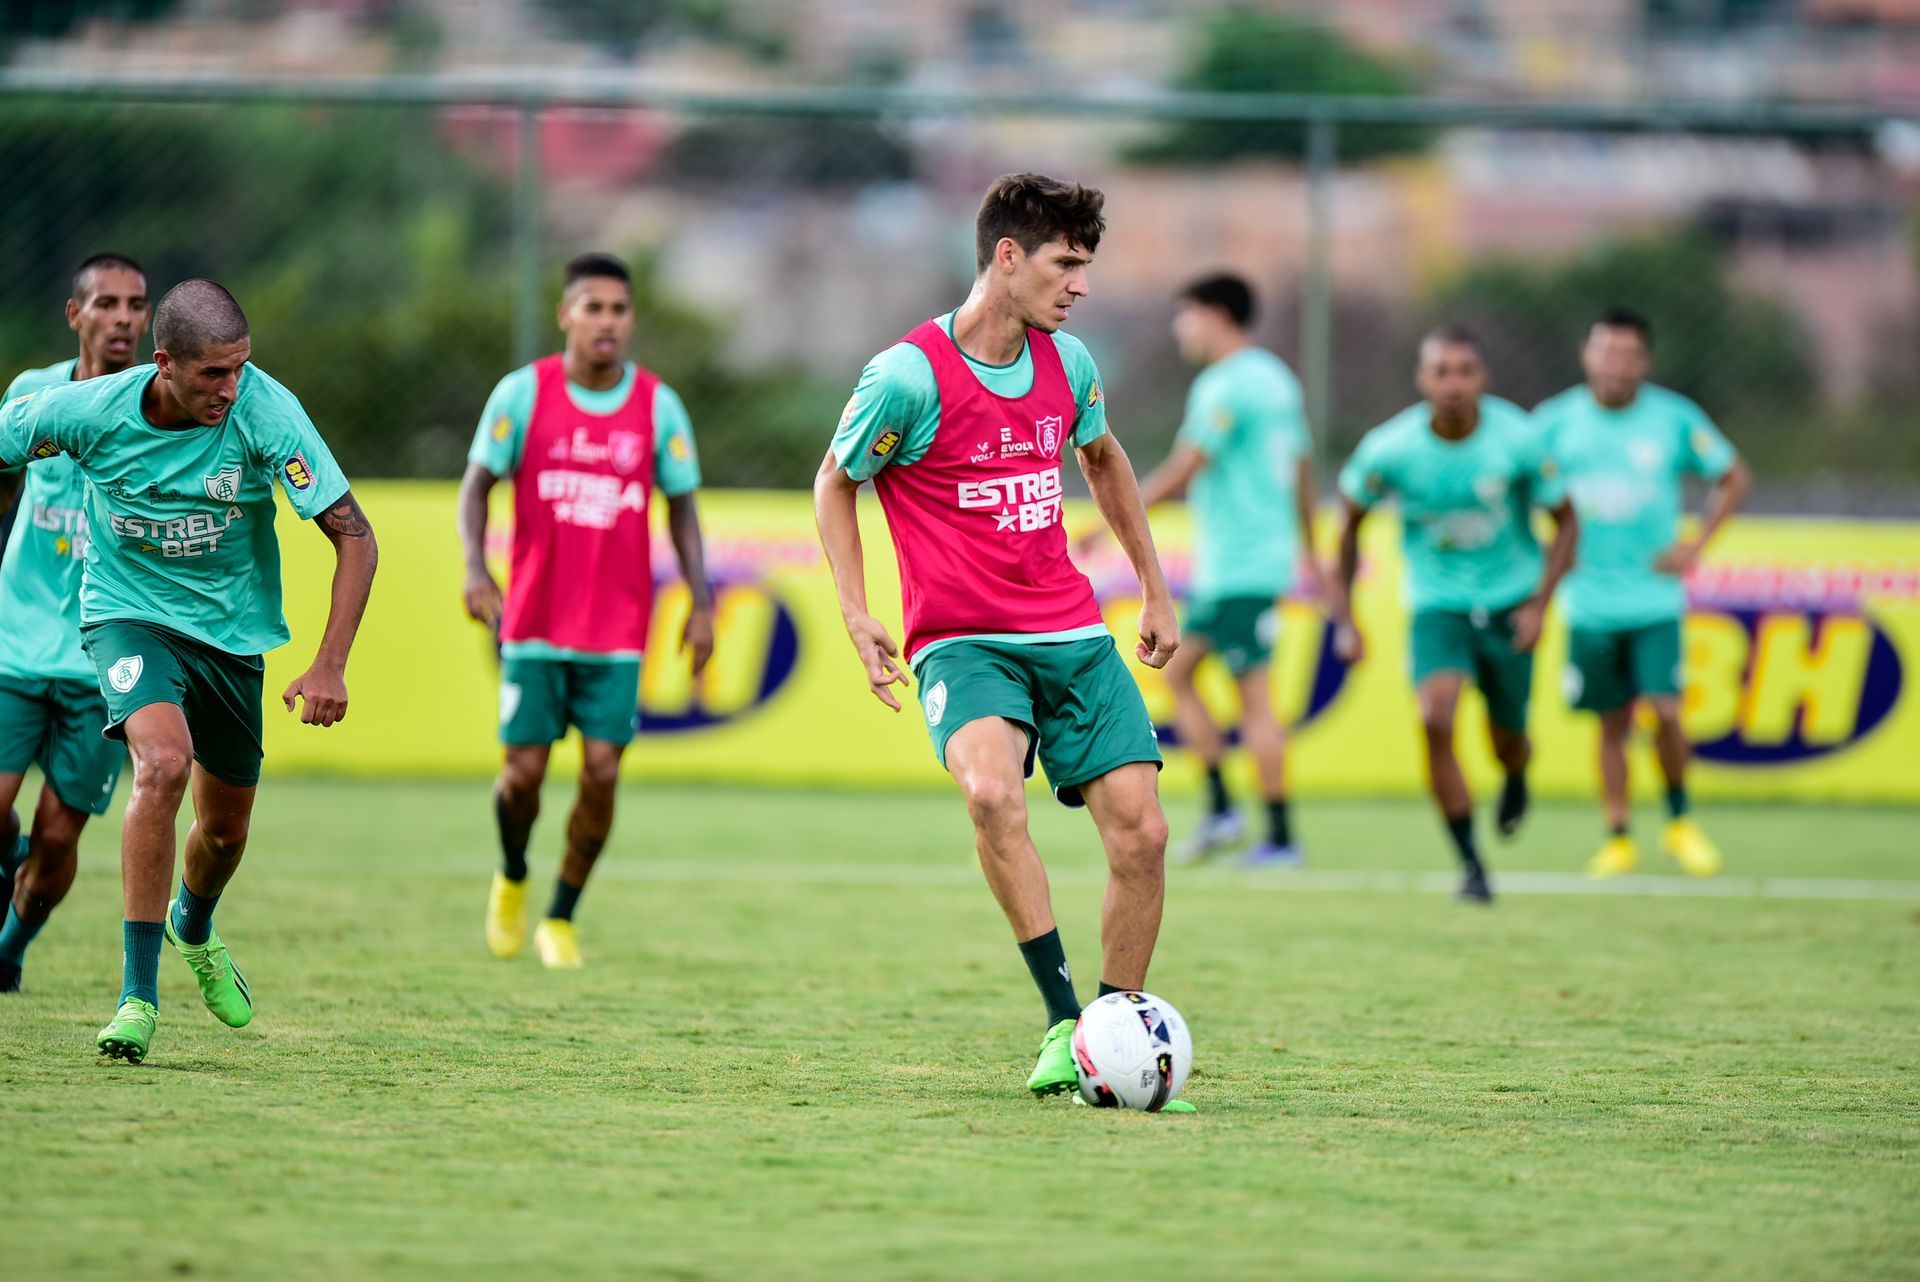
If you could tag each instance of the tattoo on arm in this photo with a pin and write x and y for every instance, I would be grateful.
(345, 519)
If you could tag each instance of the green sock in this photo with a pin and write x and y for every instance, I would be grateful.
(1047, 962)
(15, 935)
(1677, 801)
(565, 899)
(140, 960)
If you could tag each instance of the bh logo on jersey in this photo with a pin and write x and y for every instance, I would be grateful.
(1027, 502)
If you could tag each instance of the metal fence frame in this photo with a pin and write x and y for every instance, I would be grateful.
(529, 96)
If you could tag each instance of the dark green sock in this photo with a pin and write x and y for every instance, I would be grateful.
(513, 844)
(193, 915)
(1677, 801)
(1047, 962)
(1461, 830)
(1279, 826)
(565, 899)
(140, 960)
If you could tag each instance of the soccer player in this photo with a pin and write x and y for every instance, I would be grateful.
(961, 427)
(1468, 470)
(180, 598)
(1624, 446)
(1244, 461)
(587, 436)
(51, 710)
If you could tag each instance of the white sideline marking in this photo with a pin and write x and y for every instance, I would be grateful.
(721, 872)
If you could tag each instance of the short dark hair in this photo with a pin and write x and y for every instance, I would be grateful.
(1226, 291)
(196, 315)
(596, 266)
(99, 262)
(1626, 318)
(1033, 209)
(1454, 334)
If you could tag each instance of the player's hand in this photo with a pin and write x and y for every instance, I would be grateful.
(1527, 619)
(1680, 560)
(1159, 634)
(877, 651)
(324, 687)
(1348, 645)
(697, 637)
(482, 597)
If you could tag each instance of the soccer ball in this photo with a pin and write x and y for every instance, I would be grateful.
(1131, 1050)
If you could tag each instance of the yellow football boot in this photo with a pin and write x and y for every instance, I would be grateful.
(506, 916)
(1617, 858)
(1691, 849)
(558, 948)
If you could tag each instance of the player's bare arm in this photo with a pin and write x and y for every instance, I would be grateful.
(1347, 641)
(480, 592)
(837, 516)
(1304, 497)
(683, 525)
(1532, 613)
(1117, 494)
(323, 686)
(1726, 497)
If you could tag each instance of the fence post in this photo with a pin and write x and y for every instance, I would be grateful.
(526, 234)
(1316, 321)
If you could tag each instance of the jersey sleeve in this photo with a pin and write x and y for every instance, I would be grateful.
(29, 433)
(676, 463)
(1089, 401)
(502, 434)
(1544, 474)
(286, 441)
(1367, 478)
(1703, 450)
(1209, 418)
(891, 416)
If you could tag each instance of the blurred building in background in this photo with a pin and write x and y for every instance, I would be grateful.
(1747, 172)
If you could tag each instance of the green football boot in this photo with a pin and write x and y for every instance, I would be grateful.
(222, 987)
(1053, 1074)
(130, 1031)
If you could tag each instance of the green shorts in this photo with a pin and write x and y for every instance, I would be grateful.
(1479, 644)
(1242, 630)
(1608, 670)
(141, 663)
(1082, 712)
(540, 697)
(56, 722)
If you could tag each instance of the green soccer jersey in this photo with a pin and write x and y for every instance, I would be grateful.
(1244, 413)
(897, 392)
(1465, 506)
(1624, 470)
(181, 519)
(40, 576)
(502, 434)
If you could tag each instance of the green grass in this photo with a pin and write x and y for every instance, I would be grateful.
(798, 1050)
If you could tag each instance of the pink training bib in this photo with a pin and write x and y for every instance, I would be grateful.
(582, 571)
(976, 519)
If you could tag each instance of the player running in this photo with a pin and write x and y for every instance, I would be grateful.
(180, 598)
(51, 710)
(1468, 470)
(586, 435)
(961, 427)
(1244, 461)
(1625, 446)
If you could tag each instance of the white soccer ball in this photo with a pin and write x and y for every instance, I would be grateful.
(1131, 1050)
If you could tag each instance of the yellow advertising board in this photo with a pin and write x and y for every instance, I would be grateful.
(1798, 644)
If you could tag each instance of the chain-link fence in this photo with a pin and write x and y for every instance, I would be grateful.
(397, 246)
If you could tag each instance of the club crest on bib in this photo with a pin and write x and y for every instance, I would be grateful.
(1047, 432)
(223, 485)
(627, 450)
(125, 672)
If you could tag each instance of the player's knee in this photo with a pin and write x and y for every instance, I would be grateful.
(519, 787)
(599, 776)
(1438, 728)
(163, 769)
(1666, 713)
(225, 836)
(46, 878)
(994, 801)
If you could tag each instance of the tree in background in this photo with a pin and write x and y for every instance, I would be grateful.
(1251, 51)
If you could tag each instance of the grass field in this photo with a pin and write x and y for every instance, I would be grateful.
(798, 1049)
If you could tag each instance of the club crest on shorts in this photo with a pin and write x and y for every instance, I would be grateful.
(1047, 432)
(125, 672)
(936, 703)
(223, 485)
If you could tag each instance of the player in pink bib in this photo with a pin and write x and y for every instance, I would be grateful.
(962, 427)
(587, 436)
